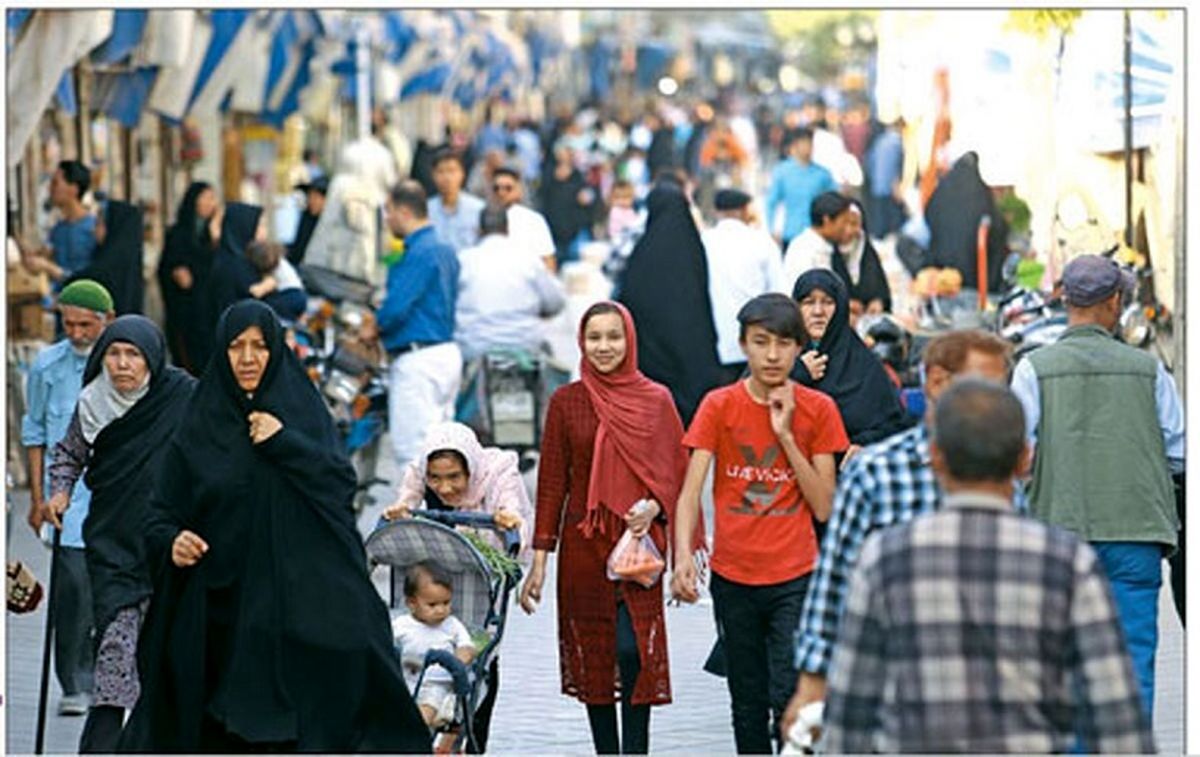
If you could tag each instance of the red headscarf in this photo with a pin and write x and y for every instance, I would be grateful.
(639, 444)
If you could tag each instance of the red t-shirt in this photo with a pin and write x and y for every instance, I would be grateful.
(763, 532)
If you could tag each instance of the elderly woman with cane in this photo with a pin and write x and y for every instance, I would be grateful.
(130, 405)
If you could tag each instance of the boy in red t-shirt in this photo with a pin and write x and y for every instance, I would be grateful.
(774, 442)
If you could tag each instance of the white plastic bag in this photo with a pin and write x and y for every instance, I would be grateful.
(636, 560)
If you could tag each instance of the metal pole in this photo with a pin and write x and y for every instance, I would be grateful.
(1128, 131)
(44, 690)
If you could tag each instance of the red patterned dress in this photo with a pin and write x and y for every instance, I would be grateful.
(587, 599)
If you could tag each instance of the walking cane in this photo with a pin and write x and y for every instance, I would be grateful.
(40, 743)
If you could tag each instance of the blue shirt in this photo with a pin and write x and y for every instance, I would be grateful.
(458, 228)
(421, 291)
(795, 187)
(1166, 398)
(74, 244)
(885, 161)
(55, 380)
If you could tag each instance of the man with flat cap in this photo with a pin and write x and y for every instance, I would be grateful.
(55, 380)
(314, 199)
(1106, 425)
(743, 262)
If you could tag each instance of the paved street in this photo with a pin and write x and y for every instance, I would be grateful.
(531, 715)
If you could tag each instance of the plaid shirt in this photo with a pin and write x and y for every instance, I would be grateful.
(886, 484)
(976, 630)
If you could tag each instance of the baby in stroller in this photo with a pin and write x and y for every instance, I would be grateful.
(430, 626)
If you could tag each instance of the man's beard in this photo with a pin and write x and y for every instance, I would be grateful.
(83, 351)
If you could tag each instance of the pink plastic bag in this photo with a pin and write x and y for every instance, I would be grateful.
(636, 560)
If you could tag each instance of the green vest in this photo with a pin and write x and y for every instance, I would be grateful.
(1101, 466)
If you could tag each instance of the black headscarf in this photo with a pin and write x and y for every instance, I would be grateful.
(560, 205)
(188, 244)
(232, 273)
(854, 376)
(124, 461)
(665, 287)
(117, 263)
(953, 214)
(277, 631)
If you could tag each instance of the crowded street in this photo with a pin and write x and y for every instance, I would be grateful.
(579, 381)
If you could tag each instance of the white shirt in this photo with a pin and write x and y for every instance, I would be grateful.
(503, 292)
(743, 262)
(286, 276)
(807, 251)
(529, 230)
(830, 152)
(416, 638)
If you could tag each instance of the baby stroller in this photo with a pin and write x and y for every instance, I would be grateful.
(481, 594)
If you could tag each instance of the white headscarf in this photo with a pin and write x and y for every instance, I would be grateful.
(101, 403)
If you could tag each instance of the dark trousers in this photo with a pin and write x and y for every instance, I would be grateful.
(1176, 560)
(73, 653)
(635, 719)
(757, 626)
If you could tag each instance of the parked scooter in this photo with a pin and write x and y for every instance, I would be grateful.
(349, 373)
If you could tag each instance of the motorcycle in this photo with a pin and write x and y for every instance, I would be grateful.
(349, 372)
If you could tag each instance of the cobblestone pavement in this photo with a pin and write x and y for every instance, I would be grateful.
(531, 715)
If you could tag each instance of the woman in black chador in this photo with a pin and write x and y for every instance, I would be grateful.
(265, 632)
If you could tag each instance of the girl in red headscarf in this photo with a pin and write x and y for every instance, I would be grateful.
(611, 439)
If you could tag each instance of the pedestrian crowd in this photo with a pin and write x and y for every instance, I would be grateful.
(983, 576)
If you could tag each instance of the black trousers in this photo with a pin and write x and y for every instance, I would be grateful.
(635, 719)
(1176, 560)
(74, 656)
(102, 730)
(757, 626)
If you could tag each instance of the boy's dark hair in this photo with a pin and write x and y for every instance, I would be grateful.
(775, 312)
(979, 427)
(264, 256)
(792, 136)
(425, 571)
(448, 153)
(78, 174)
(828, 205)
(410, 194)
(493, 219)
(309, 155)
(507, 171)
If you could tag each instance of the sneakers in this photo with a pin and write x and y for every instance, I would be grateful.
(74, 704)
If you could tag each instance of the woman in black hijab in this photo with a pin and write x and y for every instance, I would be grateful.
(858, 264)
(130, 406)
(665, 287)
(117, 263)
(232, 272)
(266, 632)
(836, 362)
(183, 275)
(562, 184)
(953, 214)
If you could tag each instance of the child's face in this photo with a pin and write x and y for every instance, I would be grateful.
(769, 355)
(431, 605)
(604, 342)
(622, 199)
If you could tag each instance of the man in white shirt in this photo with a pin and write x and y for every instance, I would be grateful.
(503, 291)
(743, 262)
(816, 245)
(527, 228)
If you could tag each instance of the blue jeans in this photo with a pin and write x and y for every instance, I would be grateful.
(1134, 571)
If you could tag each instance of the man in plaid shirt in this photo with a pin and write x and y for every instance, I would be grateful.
(887, 483)
(973, 629)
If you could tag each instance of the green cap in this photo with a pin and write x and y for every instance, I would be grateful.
(87, 294)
